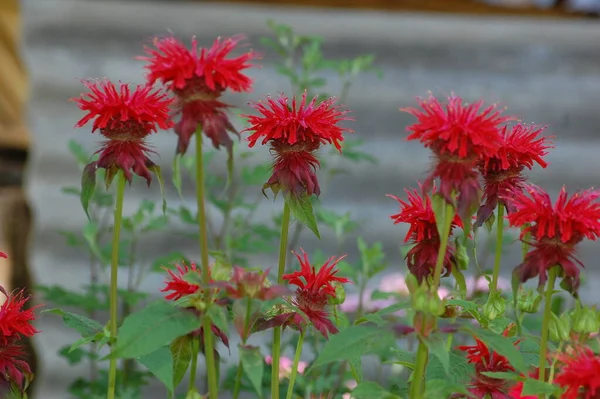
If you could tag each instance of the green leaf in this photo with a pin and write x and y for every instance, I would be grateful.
(443, 388)
(181, 352)
(168, 261)
(377, 317)
(88, 186)
(536, 387)
(438, 348)
(440, 208)
(218, 317)
(403, 357)
(72, 356)
(177, 174)
(161, 183)
(151, 328)
(371, 390)
(90, 234)
(356, 368)
(351, 343)
(503, 346)
(85, 326)
(460, 370)
(253, 365)
(460, 281)
(160, 364)
(301, 208)
(501, 375)
(80, 154)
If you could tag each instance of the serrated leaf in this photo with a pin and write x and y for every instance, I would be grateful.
(443, 388)
(253, 364)
(460, 370)
(302, 209)
(460, 281)
(438, 348)
(353, 342)
(161, 183)
(160, 364)
(80, 154)
(90, 234)
(356, 368)
(536, 387)
(181, 352)
(151, 328)
(84, 325)
(377, 317)
(404, 358)
(176, 179)
(88, 186)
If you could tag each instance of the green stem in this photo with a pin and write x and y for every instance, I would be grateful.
(238, 375)
(114, 271)
(211, 369)
(447, 217)
(194, 366)
(546, 323)
(423, 351)
(285, 228)
(498, 255)
(419, 372)
(290, 391)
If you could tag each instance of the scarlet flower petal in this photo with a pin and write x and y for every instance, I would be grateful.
(313, 122)
(14, 369)
(177, 285)
(579, 373)
(314, 289)
(16, 318)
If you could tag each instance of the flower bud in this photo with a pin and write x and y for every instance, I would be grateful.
(585, 320)
(494, 307)
(529, 301)
(411, 283)
(340, 294)
(424, 323)
(559, 328)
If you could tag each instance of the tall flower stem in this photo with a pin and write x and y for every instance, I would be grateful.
(290, 391)
(283, 239)
(239, 371)
(194, 366)
(498, 255)
(114, 272)
(546, 323)
(423, 351)
(211, 369)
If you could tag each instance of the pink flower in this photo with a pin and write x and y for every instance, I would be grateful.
(285, 366)
(351, 385)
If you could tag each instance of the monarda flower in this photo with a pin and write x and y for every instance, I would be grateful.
(579, 373)
(485, 360)
(314, 289)
(177, 288)
(15, 373)
(423, 234)
(252, 285)
(198, 77)
(125, 118)
(295, 131)
(522, 146)
(554, 230)
(459, 135)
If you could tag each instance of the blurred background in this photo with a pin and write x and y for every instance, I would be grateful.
(540, 58)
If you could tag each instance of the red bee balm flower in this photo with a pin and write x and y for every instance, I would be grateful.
(180, 288)
(522, 147)
(314, 290)
(198, 78)
(485, 360)
(125, 118)
(14, 369)
(579, 373)
(423, 233)
(458, 135)
(295, 132)
(555, 230)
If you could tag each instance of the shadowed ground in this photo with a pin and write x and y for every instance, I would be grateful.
(546, 71)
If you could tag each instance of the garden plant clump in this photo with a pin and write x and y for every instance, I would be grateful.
(439, 326)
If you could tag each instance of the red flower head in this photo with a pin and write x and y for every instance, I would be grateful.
(485, 360)
(579, 373)
(125, 118)
(423, 233)
(555, 230)
(180, 288)
(14, 369)
(295, 132)
(458, 134)
(15, 319)
(314, 290)
(198, 78)
(522, 147)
